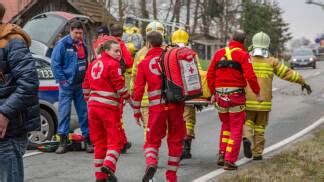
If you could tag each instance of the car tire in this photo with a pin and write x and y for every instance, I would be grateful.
(314, 66)
(47, 128)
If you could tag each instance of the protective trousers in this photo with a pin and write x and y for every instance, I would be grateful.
(145, 114)
(232, 115)
(162, 123)
(189, 115)
(254, 129)
(106, 135)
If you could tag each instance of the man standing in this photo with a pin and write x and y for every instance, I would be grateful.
(69, 62)
(257, 114)
(19, 107)
(227, 75)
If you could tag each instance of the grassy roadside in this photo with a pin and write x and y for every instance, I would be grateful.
(304, 161)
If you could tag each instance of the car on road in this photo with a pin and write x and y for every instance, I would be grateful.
(303, 57)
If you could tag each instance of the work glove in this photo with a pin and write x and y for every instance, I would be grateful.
(307, 87)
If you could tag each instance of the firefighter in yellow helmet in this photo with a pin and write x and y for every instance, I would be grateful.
(181, 38)
(140, 55)
(257, 113)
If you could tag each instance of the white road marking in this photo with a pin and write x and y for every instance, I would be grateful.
(274, 89)
(269, 149)
(32, 154)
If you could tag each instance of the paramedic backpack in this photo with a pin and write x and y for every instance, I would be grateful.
(180, 75)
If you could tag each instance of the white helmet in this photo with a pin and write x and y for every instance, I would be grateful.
(155, 26)
(260, 44)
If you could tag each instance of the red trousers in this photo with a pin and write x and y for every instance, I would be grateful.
(161, 123)
(107, 136)
(232, 115)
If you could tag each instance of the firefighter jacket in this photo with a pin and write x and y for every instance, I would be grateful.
(148, 73)
(229, 77)
(140, 55)
(264, 69)
(104, 84)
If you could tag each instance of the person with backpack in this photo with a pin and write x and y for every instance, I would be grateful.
(19, 105)
(164, 118)
(265, 67)
(227, 76)
(106, 84)
(180, 38)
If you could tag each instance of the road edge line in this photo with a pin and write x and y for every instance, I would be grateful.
(32, 154)
(269, 149)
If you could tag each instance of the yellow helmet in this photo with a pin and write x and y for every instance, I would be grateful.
(155, 26)
(180, 36)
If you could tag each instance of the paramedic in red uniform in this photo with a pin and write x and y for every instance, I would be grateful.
(107, 85)
(164, 119)
(227, 76)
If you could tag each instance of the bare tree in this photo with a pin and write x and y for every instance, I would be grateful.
(195, 23)
(154, 10)
(188, 15)
(176, 11)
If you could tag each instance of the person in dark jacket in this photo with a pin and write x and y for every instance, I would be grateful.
(69, 62)
(19, 106)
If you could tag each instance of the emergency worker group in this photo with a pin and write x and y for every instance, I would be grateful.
(238, 83)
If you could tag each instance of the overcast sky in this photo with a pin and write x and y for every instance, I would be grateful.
(305, 19)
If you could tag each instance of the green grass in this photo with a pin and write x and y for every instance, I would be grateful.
(302, 162)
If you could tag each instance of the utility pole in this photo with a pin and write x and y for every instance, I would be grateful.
(317, 3)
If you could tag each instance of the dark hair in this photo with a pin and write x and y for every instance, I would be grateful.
(116, 30)
(76, 25)
(239, 36)
(102, 30)
(2, 11)
(154, 38)
(106, 46)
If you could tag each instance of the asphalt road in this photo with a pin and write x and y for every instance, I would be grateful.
(292, 111)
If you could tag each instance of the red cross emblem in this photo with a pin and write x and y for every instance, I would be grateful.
(154, 66)
(191, 70)
(96, 70)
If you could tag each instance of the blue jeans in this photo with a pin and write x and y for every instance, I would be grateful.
(11, 161)
(66, 96)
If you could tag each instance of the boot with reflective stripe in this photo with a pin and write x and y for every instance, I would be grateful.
(186, 153)
(149, 173)
(63, 144)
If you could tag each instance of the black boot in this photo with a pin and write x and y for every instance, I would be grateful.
(110, 173)
(88, 145)
(186, 153)
(63, 144)
(230, 166)
(101, 180)
(127, 146)
(220, 160)
(149, 173)
(247, 148)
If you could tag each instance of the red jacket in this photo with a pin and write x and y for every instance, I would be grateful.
(127, 56)
(229, 77)
(104, 84)
(148, 72)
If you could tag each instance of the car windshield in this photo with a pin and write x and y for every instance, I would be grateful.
(43, 28)
(304, 52)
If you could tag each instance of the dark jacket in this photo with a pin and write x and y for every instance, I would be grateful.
(65, 63)
(18, 82)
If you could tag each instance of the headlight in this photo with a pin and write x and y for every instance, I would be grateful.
(294, 60)
(311, 59)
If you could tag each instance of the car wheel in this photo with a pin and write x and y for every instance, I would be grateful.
(314, 66)
(47, 128)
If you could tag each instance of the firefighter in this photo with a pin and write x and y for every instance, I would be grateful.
(181, 38)
(164, 118)
(227, 76)
(258, 113)
(106, 86)
(140, 55)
